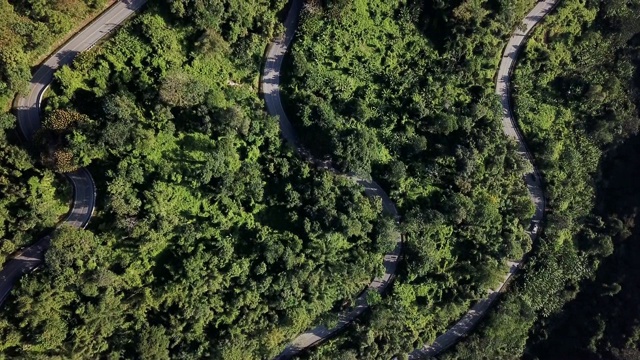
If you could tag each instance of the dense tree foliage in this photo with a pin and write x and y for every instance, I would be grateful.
(607, 306)
(28, 30)
(576, 101)
(213, 239)
(405, 91)
(32, 199)
(52, 139)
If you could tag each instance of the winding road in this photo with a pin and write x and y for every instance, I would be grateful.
(270, 89)
(271, 93)
(532, 179)
(27, 109)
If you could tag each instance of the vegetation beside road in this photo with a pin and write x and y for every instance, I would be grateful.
(34, 199)
(576, 96)
(213, 239)
(28, 30)
(406, 91)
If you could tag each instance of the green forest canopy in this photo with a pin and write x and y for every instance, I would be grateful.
(148, 110)
(28, 31)
(213, 239)
(34, 199)
(576, 96)
(406, 91)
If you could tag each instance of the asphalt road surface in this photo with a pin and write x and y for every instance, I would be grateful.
(270, 88)
(532, 179)
(28, 114)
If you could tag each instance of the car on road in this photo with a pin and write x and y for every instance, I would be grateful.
(534, 227)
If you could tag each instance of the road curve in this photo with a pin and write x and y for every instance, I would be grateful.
(270, 89)
(532, 178)
(28, 113)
